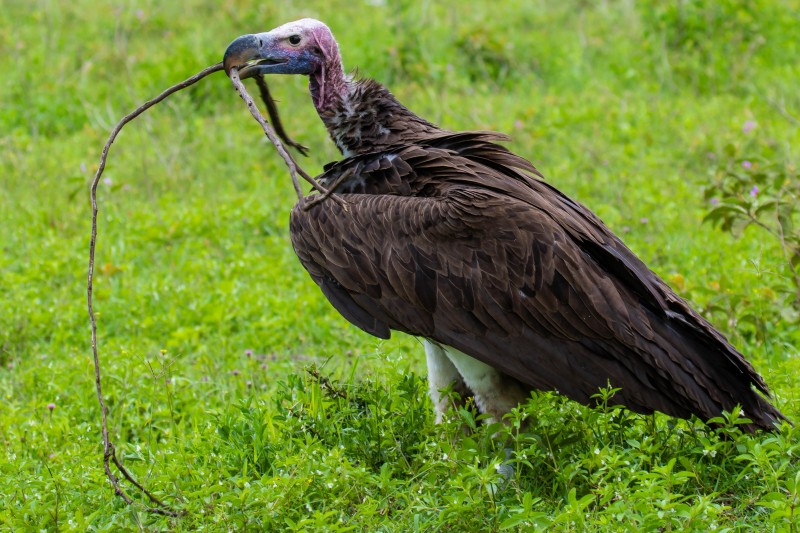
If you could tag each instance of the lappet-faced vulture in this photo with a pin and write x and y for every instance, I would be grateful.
(513, 286)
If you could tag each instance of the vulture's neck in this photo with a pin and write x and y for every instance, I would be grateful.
(362, 116)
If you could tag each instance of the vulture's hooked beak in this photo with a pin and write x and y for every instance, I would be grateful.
(260, 54)
(250, 54)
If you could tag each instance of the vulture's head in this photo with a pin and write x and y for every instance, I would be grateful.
(301, 47)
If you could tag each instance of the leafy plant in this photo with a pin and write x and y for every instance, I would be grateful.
(754, 191)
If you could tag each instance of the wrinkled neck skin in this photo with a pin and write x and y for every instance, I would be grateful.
(362, 116)
(328, 84)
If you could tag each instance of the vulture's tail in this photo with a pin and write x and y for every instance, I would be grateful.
(715, 377)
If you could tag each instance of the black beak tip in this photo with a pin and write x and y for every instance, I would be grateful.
(240, 51)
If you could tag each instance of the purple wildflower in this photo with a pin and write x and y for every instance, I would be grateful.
(248, 353)
(644, 220)
(747, 164)
(264, 366)
(754, 191)
(51, 406)
(748, 126)
(235, 372)
(249, 384)
(714, 201)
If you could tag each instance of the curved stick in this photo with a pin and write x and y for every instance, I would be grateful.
(109, 451)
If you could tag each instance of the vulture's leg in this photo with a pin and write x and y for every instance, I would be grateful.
(495, 393)
(443, 375)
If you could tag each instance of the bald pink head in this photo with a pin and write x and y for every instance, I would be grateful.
(305, 46)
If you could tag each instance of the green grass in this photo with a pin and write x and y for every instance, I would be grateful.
(625, 106)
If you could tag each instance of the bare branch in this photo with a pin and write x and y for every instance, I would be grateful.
(109, 451)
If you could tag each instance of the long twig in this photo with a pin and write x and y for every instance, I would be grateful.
(109, 451)
(292, 165)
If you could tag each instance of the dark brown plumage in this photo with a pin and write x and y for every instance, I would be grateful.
(451, 237)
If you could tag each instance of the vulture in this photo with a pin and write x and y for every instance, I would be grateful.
(512, 285)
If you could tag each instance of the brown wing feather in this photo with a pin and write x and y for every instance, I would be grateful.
(454, 242)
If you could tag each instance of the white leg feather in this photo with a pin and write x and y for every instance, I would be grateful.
(495, 393)
(442, 374)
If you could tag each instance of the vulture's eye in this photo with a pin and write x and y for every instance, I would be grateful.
(294, 39)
